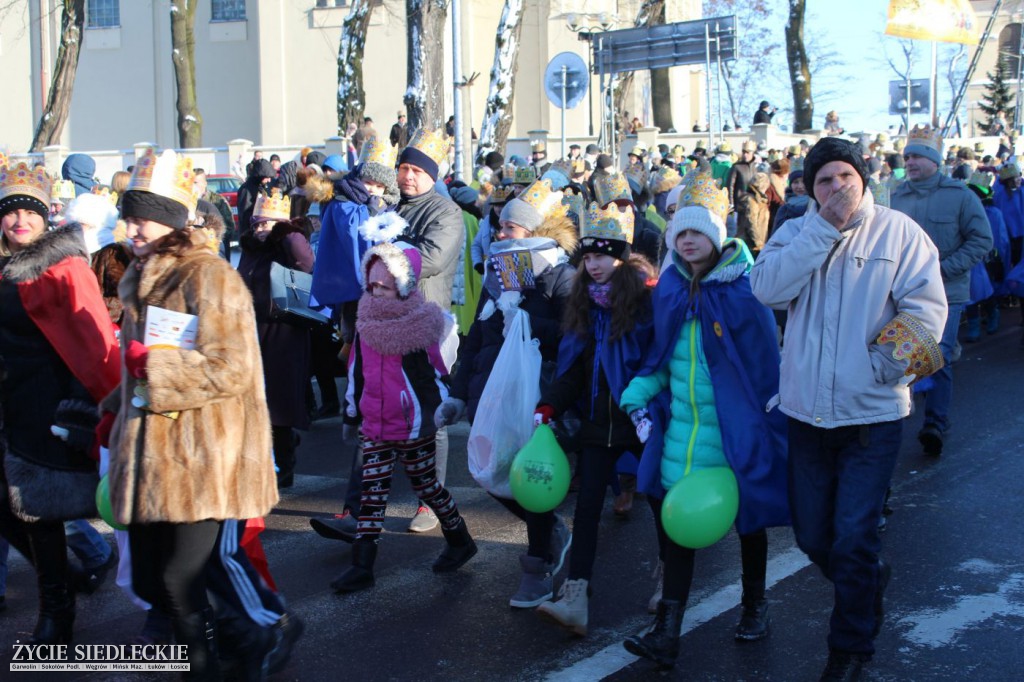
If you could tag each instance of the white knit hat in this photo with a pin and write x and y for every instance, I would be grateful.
(698, 219)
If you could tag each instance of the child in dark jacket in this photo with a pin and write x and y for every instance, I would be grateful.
(608, 325)
(396, 375)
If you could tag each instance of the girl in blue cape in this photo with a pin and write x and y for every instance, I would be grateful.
(608, 326)
(699, 402)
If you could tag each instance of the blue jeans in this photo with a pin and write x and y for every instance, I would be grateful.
(837, 483)
(936, 404)
(87, 544)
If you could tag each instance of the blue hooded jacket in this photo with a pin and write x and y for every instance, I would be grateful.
(79, 169)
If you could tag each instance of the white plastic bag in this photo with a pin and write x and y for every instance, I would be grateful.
(504, 417)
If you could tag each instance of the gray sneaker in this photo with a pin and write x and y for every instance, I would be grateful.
(424, 521)
(561, 541)
(534, 586)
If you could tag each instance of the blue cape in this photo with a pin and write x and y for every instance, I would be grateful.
(741, 348)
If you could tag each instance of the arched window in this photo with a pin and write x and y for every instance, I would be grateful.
(1009, 48)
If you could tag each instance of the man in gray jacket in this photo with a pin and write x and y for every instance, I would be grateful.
(953, 217)
(437, 231)
(866, 307)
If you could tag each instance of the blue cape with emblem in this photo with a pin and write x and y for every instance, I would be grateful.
(741, 349)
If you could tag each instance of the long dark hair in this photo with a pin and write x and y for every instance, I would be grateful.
(629, 295)
(697, 275)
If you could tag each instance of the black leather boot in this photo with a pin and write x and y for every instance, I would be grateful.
(284, 441)
(198, 631)
(459, 550)
(56, 615)
(360, 575)
(244, 647)
(661, 644)
(755, 622)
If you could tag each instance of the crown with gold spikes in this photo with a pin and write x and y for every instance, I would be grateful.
(612, 187)
(543, 200)
(431, 143)
(664, 179)
(20, 180)
(168, 175)
(272, 207)
(607, 231)
(575, 204)
(63, 190)
(103, 191)
(378, 150)
(524, 175)
(502, 193)
(701, 190)
(925, 136)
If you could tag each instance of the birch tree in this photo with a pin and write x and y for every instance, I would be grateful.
(183, 56)
(58, 102)
(799, 71)
(351, 96)
(424, 96)
(498, 110)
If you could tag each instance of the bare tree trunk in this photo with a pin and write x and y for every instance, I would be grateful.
(648, 15)
(799, 72)
(498, 111)
(58, 102)
(727, 72)
(661, 90)
(183, 56)
(424, 101)
(351, 96)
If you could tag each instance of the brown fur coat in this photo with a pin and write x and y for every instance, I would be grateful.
(213, 461)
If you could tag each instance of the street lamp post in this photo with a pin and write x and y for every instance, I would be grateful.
(586, 32)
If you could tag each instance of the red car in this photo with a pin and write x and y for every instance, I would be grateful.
(226, 186)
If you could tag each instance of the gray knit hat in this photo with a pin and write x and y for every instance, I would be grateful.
(521, 213)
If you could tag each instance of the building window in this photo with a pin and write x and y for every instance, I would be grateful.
(228, 10)
(1009, 48)
(102, 14)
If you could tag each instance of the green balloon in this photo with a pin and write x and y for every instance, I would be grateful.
(540, 472)
(701, 507)
(103, 505)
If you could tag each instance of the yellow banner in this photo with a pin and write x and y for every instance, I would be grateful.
(947, 21)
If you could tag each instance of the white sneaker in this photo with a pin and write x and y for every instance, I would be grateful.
(570, 611)
(424, 521)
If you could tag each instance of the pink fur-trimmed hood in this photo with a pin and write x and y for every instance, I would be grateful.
(399, 326)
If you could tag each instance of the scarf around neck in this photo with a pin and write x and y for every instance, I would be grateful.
(399, 326)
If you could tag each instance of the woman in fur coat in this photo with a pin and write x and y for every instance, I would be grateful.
(535, 221)
(273, 238)
(188, 429)
(396, 381)
(60, 359)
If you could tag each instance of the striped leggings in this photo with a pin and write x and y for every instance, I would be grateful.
(418, 459)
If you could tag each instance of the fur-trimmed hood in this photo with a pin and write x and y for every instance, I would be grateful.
(561, 229)
(402, 261)
(46, 251)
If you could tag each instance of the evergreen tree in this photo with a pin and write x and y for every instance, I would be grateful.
(997, 98)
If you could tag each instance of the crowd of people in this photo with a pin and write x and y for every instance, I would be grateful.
(692, 312)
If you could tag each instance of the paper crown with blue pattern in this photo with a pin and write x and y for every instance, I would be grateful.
(664, 179)
(378, 150)
(607, 231)
(611, 187)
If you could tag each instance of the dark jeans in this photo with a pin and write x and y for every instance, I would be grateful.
(538, 528)
(594, 467)
(837, 483)
(938, 400)
(169, 563)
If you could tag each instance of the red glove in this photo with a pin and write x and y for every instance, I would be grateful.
(103, 429)
(135, 359)
(543, 414)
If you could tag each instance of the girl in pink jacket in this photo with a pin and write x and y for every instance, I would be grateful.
(395, 382)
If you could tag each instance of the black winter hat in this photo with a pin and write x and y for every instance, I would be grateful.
(494, 160)
(830, 149)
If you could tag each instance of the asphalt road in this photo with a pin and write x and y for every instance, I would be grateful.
(955, 603)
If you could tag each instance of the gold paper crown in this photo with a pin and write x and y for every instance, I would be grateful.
(431, 143)
(924, 135)
(272, 207)
(543, 200)
(612, 187)
(563, 166)
(607, 223)
(665, 179)
(982, 180)
(378, 150)
(502, 193)
(3, 159)
(574, 204)
(22, 180)
(702, 190)
(168, 175)
(579, 166)
(103, 191)
(63, 189)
